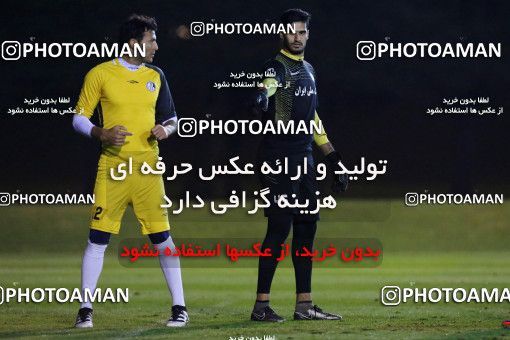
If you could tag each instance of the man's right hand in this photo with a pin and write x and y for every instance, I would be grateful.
(259, 101)
(114, 136)
(341, 181)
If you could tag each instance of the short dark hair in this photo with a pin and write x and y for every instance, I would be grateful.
(295, 15)
(135, 26)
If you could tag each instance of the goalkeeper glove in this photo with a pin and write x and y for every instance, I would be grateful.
(340, 181)
(260, 100)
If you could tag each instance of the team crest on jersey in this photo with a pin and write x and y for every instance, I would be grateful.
(150, 86)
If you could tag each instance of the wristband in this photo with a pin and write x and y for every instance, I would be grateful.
(82, 125)
(169, 129)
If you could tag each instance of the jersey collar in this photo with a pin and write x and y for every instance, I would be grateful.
(129, 66)
(292, 56)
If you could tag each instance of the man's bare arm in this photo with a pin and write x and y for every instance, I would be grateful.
(114, 136)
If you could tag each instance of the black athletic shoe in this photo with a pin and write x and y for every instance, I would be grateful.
(179, 317)
(84, 318)
(315, 313)
(267, 314)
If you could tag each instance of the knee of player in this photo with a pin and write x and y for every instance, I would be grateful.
(162, 241)
(158, 238)
(99, 237)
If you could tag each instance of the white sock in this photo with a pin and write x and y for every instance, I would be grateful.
(91, 268)
(171, 267)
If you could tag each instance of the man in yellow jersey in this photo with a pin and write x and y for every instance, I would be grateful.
(290, 103)
(136, 110)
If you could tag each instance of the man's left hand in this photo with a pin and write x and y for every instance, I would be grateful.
(341, 181)
(159, 132)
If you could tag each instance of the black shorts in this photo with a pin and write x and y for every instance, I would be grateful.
(302, 187)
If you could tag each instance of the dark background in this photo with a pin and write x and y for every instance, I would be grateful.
(376, 109)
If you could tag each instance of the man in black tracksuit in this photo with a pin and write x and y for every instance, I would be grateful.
(294, 100)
